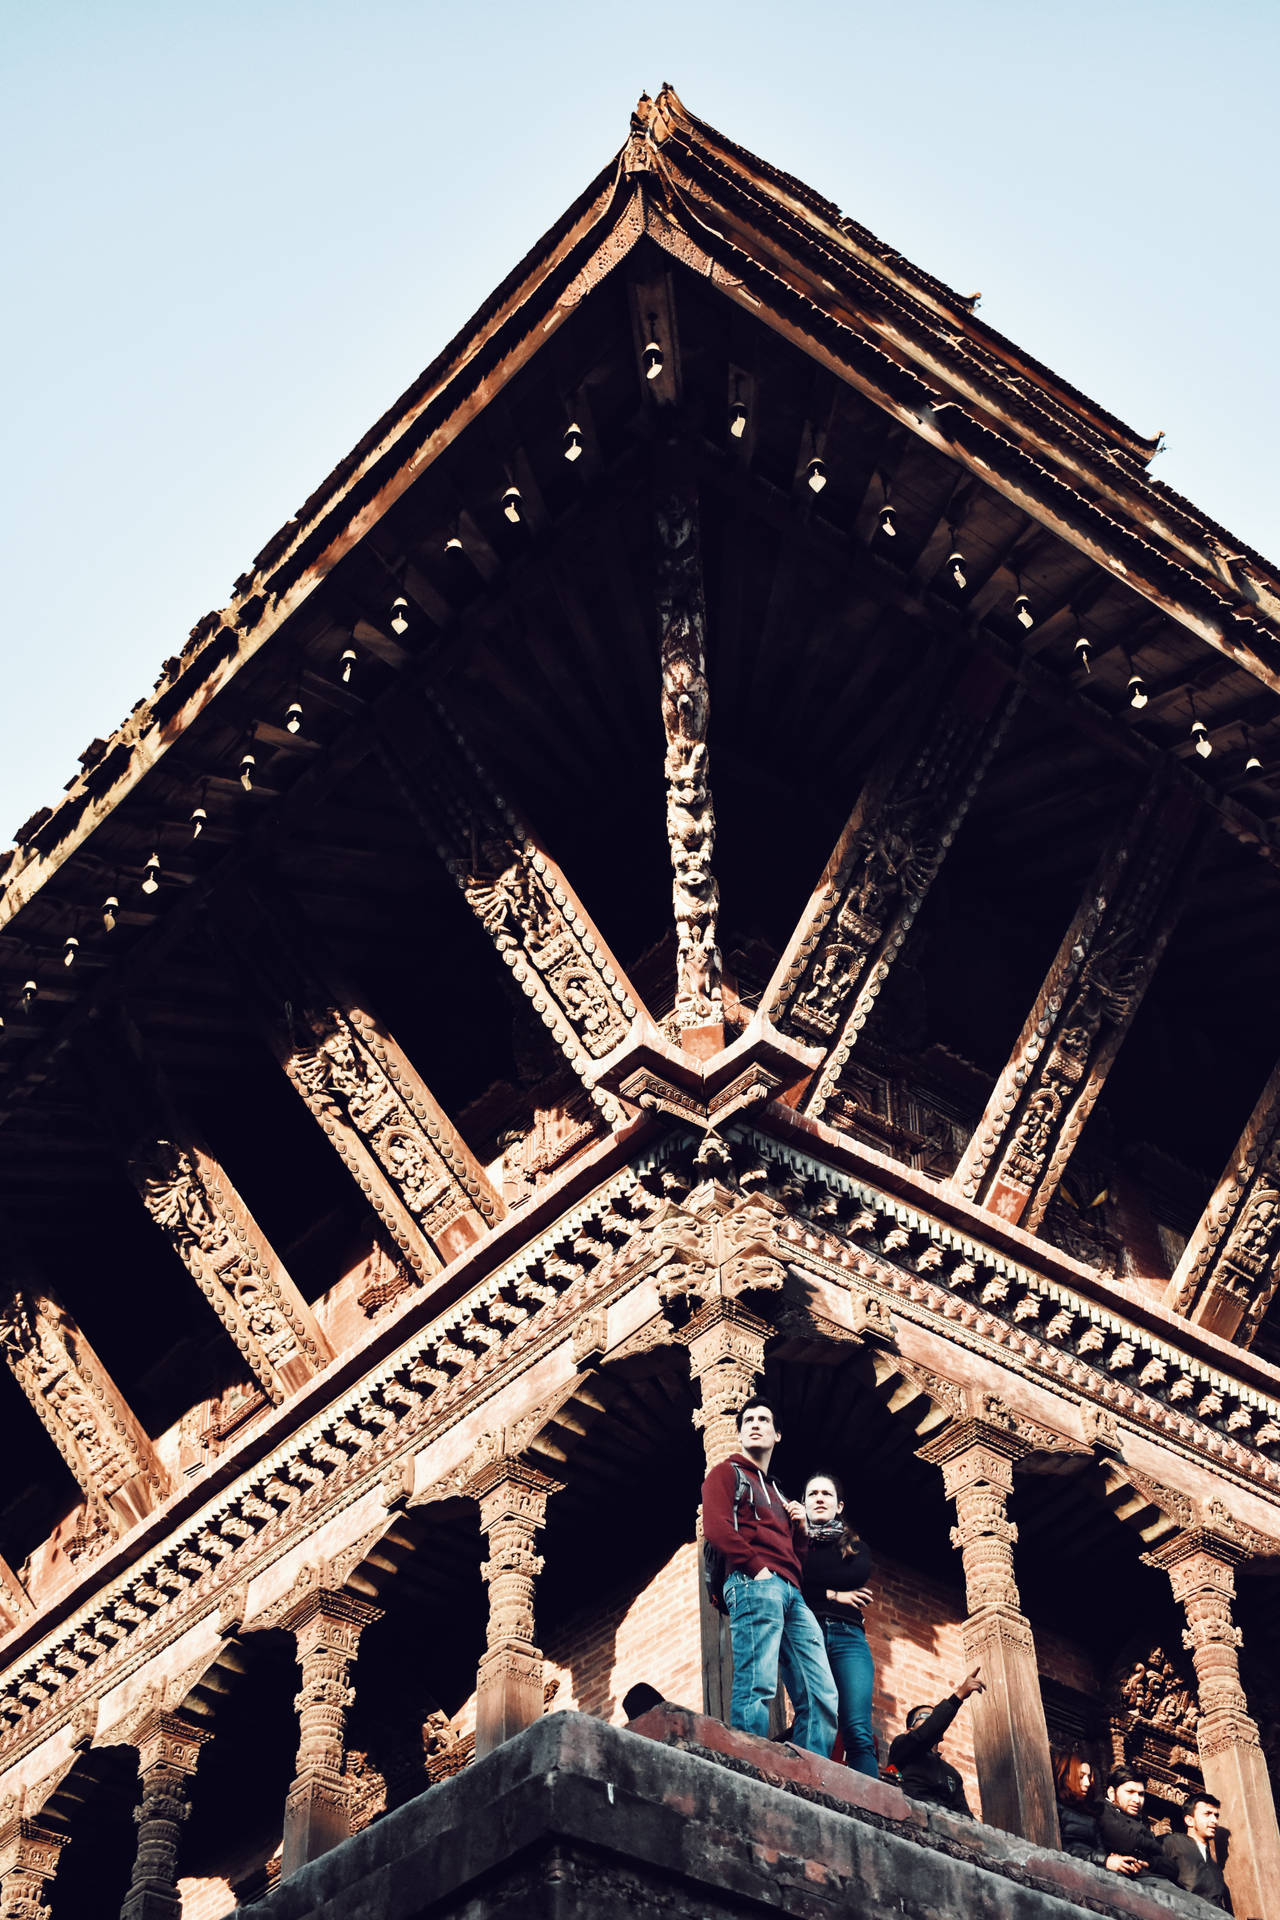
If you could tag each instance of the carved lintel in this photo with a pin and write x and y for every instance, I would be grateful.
(1230, 1267)
(691, 819)
(883, 865)
(1084, 1009)
(421, 1178)
(516, 891)
(86, 1415)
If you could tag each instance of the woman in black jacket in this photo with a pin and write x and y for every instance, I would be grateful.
(1078, 1821)
(837, 1565)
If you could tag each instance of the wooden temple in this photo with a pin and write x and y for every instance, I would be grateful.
(735, 839)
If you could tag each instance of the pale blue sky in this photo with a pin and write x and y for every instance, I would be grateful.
(234, 232)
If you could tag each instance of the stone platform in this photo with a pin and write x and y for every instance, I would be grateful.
(677, 1816)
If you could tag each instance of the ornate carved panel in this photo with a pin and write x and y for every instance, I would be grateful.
(515, 890)
(1048, 1088)
(882, 866)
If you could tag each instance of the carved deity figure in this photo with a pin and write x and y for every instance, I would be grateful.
(508, 898)
(1035, 1129)
(1255, 1237)
(176, 1198)
(336, 1072)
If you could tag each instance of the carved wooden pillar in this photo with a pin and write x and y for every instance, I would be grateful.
(419, 1175)
(1010, 1738)
(86, 1415)
(168, 1752)
(882, 866)
(1230, 1267)
(513, 1507)
(691, 819)
(28, 1861)
(516, 891)
(726, 1345)
(188, 1195)
(1090, 994)
(326, 1626)
(1201, 1568)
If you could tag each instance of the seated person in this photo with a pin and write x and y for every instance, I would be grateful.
(1078, 1815)
(1123, 1828)
(1192, 1852)
(914, 1761)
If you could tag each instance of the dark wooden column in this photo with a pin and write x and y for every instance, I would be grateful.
(691, 819)
(882, 866)
(1201, 1568)
(193, 1202)
(86, 1415)
(406, 1155)
(1230, 1267)
(1084, 1009)
(168, 1753)
(1010, 1738)
(29, 1855)
(513, 1507)
(326, 1625)
(515, 889)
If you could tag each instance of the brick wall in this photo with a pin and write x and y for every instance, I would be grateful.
(205, 1899)
(646, 1634)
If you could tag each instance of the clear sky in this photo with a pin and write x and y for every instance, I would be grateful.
(233, 232)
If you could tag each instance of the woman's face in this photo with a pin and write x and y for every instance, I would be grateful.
(1086, 1777)
(820, 1501)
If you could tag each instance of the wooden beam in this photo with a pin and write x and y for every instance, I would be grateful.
(188, 1195)
(514, 888)
(1230, 1267)
(83, 1410)
(1049, 1086)
(885, 860)
(397, 1141)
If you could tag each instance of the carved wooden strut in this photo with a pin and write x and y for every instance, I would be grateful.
(881, 869)
(420, 1177)
(1084, 1009)
(516, 891)
(1230, 1267)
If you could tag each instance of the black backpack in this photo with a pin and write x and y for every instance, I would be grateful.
(714, 1567)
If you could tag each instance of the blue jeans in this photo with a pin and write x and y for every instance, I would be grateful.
(772, 1629)
(854, 1672)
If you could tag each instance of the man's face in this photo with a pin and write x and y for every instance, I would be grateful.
(757, 1430)
(1202, 1822)
(1129, 1797)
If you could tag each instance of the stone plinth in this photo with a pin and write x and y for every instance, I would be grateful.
(573, 1819)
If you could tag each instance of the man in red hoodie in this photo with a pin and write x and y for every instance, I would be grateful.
(770, 1627)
